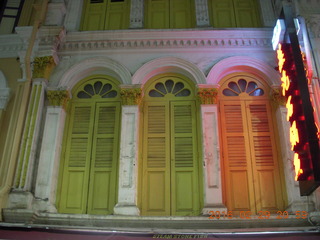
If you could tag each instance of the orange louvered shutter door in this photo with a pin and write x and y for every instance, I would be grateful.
(264, 157)
(236, 151)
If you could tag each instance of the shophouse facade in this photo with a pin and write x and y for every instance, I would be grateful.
(148, 108)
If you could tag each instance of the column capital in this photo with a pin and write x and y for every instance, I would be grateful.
(277, 97)
(208, 95)
(58, 97)
(42, 66)
(130, 96)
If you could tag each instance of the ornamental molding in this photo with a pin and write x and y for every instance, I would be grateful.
(208, 95)
(153, 39)
(131, 96)
(11, 45)
(243, 64)
(58, 97)
(43, 66)
(166, 65)
(89, 66)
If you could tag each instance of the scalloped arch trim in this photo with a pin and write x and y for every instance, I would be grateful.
(243, 64)
(166, 65)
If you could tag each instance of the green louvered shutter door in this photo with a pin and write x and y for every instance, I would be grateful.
(117, 16)
(103, 174)
(157, 14)
(246, 13)
(181, 14)
(222, 13)
(184, 164)
(94, 14)
(77, 161)
(156, 164)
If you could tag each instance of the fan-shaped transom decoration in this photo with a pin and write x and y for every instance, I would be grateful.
(97, 90)
(242, 86)
(176, 88)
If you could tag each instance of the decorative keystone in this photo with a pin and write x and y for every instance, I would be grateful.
(130, 96)
(208, 95)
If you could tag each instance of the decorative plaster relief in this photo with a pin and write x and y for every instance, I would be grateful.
(10, 45)
(130, 96)
(202, 13)
(150, 39)
(208, 95)
(136, 14)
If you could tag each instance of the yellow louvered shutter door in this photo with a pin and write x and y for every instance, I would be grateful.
(156, 164)
(236, 152)
(117, 16)
(181, 14)
(246, 13)
(264, 157)
(77, 161)
(157, 14)
(222, 13)
(184, 166)
(103, 183)
(94, 14)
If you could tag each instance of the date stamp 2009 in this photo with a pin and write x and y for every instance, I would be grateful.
(261, 215)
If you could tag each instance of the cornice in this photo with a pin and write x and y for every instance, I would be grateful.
(10, 45)
(159, 39)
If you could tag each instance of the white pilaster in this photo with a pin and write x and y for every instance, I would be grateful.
(211, 152)
(49, 159)
(128, 169)
(73, 16)
(29, 142)
(202, 13)
(136, 14)
(267, 13)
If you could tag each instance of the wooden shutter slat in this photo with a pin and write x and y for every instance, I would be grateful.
(263, 151)
(156, 155)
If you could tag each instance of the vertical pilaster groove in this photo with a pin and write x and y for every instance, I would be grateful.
(29, 139)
